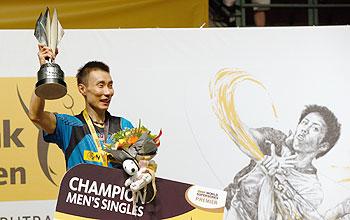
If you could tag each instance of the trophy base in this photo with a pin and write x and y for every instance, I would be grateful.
(51, 88)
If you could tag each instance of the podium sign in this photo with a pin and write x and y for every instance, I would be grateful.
(95, 192)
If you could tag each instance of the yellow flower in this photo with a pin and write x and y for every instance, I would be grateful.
(121, 141)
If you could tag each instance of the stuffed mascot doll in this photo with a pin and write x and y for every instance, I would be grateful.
(139, 176)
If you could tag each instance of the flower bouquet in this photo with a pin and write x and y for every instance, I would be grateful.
(135, 143)
(135, 148)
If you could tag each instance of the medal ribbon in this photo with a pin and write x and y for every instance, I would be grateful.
(95, 137)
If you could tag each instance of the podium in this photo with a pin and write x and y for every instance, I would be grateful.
(95, 192)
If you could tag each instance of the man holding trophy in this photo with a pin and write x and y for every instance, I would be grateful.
(82, 138)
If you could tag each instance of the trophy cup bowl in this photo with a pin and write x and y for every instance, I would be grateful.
(50, 83)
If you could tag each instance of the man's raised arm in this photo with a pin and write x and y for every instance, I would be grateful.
(46, 120)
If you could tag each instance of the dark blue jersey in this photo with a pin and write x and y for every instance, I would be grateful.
(72, 135)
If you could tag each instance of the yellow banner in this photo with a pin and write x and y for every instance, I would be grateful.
(30, 169)
(96, 14)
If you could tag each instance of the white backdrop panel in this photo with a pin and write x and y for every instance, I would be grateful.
(162, 77)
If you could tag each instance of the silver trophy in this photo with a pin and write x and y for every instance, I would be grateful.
(50, 83)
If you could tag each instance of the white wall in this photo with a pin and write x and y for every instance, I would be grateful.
(162, 76)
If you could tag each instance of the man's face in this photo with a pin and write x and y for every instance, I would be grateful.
(309, 134)
(99, 89)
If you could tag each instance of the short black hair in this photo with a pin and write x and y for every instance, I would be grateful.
(84, 71)
(333, 126)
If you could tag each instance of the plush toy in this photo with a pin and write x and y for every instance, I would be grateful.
(140, 175)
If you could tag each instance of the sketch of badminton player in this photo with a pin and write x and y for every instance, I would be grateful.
(281, 181)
